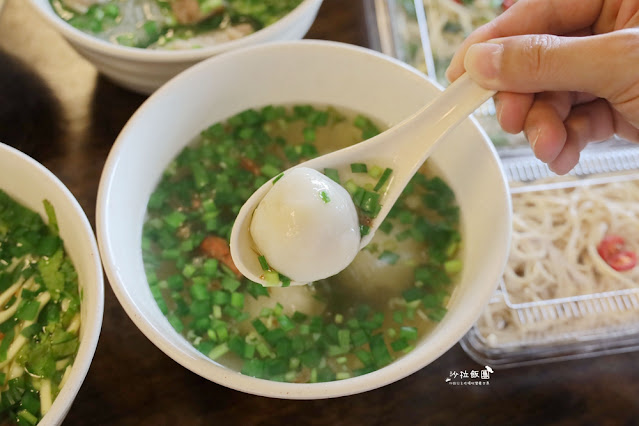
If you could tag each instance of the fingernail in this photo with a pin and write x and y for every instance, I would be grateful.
(532, 134)
(483, 61)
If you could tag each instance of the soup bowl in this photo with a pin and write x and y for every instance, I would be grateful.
(29, 183)
(308, 72)
(144, 70)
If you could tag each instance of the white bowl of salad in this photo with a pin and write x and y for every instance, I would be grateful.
(140, 44)
(176, 178)
(52, 293)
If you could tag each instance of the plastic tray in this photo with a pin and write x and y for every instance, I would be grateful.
(578, 319)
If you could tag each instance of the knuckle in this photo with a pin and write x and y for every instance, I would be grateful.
(536, 52)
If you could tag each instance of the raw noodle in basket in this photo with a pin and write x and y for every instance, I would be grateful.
(555, 236)
(554, 256)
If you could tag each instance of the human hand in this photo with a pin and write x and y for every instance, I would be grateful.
(566, 72)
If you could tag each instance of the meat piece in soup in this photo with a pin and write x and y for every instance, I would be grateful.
(190, 12)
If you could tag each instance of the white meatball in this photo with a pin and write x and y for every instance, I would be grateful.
(306, 226)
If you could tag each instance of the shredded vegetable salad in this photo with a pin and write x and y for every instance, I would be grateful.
(39, 312)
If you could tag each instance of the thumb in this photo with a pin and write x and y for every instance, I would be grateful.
(534, 63)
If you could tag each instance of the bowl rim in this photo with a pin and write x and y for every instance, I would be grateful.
(89, 341)
(88, 41)
(219, 374)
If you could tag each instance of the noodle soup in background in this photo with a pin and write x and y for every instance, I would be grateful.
(171, 24)
(144, 70)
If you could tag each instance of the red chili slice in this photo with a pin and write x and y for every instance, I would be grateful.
(610, 246)
(612, 250)
(623, 261)
(507, 3)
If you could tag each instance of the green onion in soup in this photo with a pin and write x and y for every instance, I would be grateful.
(371, 313)
(171, 24)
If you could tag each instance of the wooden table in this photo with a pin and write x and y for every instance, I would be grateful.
(55, 107)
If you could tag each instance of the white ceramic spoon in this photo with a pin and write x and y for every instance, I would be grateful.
(403, 148)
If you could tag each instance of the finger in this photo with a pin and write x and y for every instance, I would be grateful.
(625, 15)
(535, 63)
(544, 125)
(512, 109)
(566, 160)
(590, 122)
(530, 17)
(624, 129)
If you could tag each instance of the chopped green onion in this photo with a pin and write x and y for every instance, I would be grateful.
(386, 227)
(409, 333)
(286, 281)
(379, 350)
(25, 417)
(272, 278)
(309, 134)
(332, 174)
(278, 177)
(259, 326)
(299, 316)
(369, 202)
(324, 196)
(365, 357)
(237, 300)
(412, 293)
(220, 297)
(263, 263)
(382, 180)
(359, 168)
(199, 291)
(218, 351)
(375, 172)
(269, 170)
(399, 344)
(453, 266)
(351, 187)
(175, 219)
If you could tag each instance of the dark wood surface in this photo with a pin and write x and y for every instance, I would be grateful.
(55, 107)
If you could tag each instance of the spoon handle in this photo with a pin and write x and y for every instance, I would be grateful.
(417, 136)
(437, 118)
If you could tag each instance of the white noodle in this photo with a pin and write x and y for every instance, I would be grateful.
(554, 255)
(19, 341)
(45, 396)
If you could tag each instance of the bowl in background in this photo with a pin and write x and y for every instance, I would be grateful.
(143, 70)
(310, 72)
(29, 183)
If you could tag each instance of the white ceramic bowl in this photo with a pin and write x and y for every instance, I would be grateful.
(145, 70)
(314, 72)
(28, 182)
